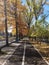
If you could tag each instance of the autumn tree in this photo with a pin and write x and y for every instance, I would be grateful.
(35, 11)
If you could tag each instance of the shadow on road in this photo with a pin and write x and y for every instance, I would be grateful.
(16, 58)
(32, 57)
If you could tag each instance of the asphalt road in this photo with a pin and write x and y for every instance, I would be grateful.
(25, 54)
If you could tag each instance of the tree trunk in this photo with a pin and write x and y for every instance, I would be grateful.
(6, 28)
(28, 31)
(17, 36)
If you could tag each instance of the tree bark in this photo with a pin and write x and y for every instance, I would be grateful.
(6, 28)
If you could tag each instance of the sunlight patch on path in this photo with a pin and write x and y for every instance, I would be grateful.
(5, 62)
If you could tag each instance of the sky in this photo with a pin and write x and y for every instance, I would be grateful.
(45, 9)
(24, 1)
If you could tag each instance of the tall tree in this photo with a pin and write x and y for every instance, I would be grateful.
(5, 12)
(35, 11)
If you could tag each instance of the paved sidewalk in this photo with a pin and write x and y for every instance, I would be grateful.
(24, 54)
(8, 52)
(21, 53)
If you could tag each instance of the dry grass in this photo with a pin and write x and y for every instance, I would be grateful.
(43, 48)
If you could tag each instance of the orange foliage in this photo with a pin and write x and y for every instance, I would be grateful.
(11, 20)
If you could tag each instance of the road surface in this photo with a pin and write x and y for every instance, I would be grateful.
(25, 54)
